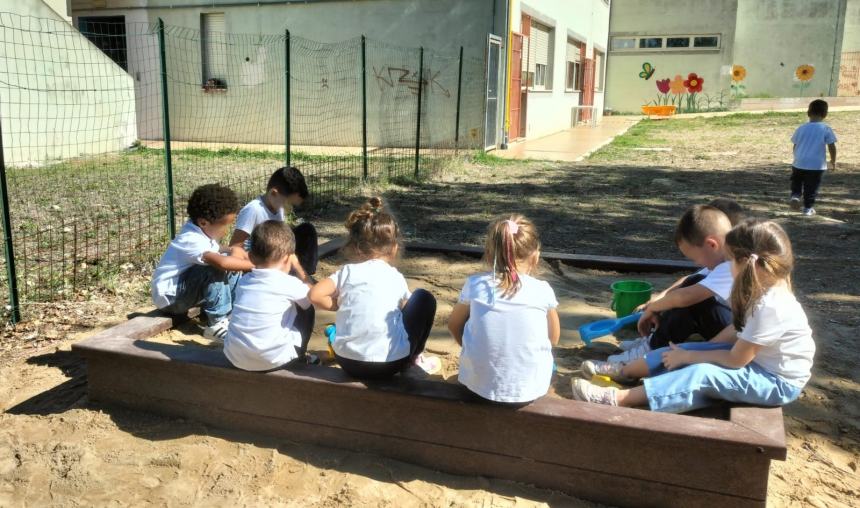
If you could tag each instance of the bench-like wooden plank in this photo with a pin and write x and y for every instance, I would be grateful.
(613, 263)
(614, 455)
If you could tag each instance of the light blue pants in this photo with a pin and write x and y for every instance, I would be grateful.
(698, 385)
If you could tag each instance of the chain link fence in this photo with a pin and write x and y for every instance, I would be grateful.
(107, 130)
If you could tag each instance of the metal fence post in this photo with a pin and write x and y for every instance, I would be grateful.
(8, 248)
(459, 89)
(418, 124)
(168, 162)
(364, 105)
(287, 79)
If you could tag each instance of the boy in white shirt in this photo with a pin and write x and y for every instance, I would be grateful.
(699, 303)
(272, 317)
(286, 188)
(809, 158)
(195, 269)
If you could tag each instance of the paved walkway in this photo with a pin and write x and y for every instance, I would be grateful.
(572, 144)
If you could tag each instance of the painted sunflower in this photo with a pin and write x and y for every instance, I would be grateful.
(739, 73)
(804, 72)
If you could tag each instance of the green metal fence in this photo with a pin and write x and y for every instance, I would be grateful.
(105, 132)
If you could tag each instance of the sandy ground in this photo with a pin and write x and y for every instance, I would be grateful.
(55, 449)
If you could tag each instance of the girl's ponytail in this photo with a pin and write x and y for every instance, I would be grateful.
(764, 255)
(509, 239)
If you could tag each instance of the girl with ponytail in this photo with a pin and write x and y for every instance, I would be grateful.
(506, 320)
(764, 357)
(380, 326)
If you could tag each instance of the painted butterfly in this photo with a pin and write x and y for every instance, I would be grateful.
(647, 71)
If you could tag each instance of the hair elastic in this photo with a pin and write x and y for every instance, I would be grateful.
(513, 227)
(753, 258)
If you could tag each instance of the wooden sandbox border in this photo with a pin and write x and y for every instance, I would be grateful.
(620, 456)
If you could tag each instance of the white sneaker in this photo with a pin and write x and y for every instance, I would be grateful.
(809, 212)
(627, 345)
(613, 370)
(794, 202)
(218, 331)
(636, 352)
(587, 392)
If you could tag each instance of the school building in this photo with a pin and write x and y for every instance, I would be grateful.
(713, 54)
(556, 50)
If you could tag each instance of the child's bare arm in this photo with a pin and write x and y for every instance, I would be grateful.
(832, 149)
(238, 238)
(728, 335)
(324, 295)
(457, 321)
(554, 326)
(227, 263)
(680, 298)
(738, 356)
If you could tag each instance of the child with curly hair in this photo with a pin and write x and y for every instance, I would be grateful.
(195, 269)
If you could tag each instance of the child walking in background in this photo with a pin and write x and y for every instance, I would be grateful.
(286, 188)
(764, 357)
(807, 170)
(272, 317)
(699, 303)
(195, 269)
(381, 328)
(506, 320)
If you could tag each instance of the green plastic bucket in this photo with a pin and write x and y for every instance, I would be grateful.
(629, 294)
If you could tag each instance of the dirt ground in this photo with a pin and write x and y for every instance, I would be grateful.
(56, 449)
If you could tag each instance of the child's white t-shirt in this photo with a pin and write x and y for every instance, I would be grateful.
(507, 355)
(779, 324)
(719, 281)
(811, 140)
(254, 213)
(369, 322)
(261, 335)
(184, 251)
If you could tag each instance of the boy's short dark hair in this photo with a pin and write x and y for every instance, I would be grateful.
(271, 241)
(211, 202)
(700, 222)
(734, 211)
(818, 108)
(288, 181)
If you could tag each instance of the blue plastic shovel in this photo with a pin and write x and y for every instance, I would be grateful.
(591, 331)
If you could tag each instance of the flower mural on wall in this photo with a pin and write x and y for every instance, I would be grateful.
(663, 88)
(694, 83)
(677, 85)
(739, 74)
(803, 74)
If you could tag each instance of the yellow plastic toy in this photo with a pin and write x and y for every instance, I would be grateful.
(605, 381)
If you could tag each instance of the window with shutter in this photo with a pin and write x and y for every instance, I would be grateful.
(213, 48)
(540, 55)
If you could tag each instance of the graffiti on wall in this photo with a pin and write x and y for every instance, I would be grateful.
(389, 77)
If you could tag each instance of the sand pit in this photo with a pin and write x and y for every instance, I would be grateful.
(55, 448)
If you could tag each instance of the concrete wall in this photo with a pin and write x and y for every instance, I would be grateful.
(49, 108)
(774, 37)
(551, 111)
(851, 38)
(626, 90)
(395, 29)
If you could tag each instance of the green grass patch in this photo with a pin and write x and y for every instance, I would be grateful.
(488, 159)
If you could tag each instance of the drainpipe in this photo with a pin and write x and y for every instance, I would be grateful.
(507, 97)
(837, 46)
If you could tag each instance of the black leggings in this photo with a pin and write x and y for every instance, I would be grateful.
(307, 249)
(418, 315)
(707, 318)
(305, 324)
